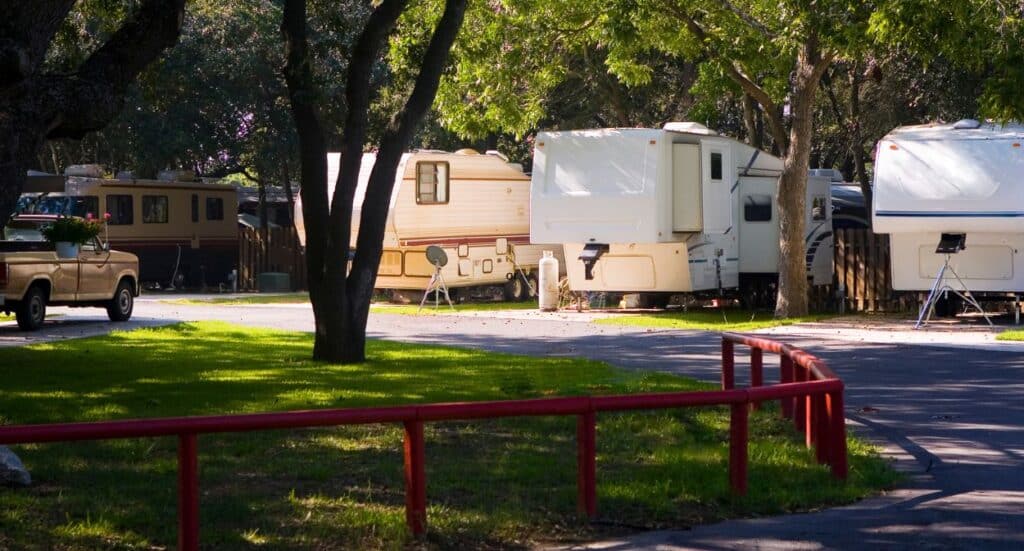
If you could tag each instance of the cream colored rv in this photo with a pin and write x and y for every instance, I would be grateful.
(184, 233)
(475, 206)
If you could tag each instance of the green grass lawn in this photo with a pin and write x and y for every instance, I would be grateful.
(707, 319)
(493, 484)
(287, 298)
(1011, 335)
(383, 307)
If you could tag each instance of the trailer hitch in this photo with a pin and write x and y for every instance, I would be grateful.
(591, 253)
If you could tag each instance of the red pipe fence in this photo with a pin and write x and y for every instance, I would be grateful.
(810, 394)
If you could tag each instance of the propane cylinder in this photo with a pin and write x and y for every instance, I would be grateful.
(548, 296)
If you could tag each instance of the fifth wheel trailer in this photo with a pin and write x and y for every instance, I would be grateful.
(664, 211)
(964, 178)
(475, 206)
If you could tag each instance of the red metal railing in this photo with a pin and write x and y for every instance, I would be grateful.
(809, 392)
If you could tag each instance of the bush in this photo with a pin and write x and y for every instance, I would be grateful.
(72, 229)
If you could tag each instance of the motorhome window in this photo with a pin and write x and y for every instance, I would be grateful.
(214, 208)
(84, 206)
(154, 209)
(431, 183)
(716, 166)
(757, 208)
(819, 208)
(121, 210)
(195, 207)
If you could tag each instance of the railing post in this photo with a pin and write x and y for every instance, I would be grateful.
(799, 402)
(415, 478)
(586, 460)
(837, 434)
(822, 440)
(810, 421)
(756, 371)
(738, 449)
(188, 493)
(728, 365)
(786, 376)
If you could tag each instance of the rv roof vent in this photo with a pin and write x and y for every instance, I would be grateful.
(966, 124)
(498, 154)
(176, 175)
(689, 128)
(125, 175)
(88, 171)
(467, 151)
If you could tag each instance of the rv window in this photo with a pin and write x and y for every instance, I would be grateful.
(121, 210)
(819, 208)
(757, 208)
(154, 209)
(431, 183)
(85, 205)
(195, 207)
(214, 208)
(716, 166)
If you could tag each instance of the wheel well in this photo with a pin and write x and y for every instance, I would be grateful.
(131, 281)
(42, 284)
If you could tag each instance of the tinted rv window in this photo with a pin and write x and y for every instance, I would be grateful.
(757, 208)
(84, 206)
(195, 207)
(154, 209)
(121, 210)
(819, 208)
(214, 208)
(716, 166)
(431, 183)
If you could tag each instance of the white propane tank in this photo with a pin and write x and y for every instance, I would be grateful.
(548, 296)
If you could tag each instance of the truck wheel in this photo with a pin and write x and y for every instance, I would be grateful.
(533, 289)
(32, 309)
(120, 307)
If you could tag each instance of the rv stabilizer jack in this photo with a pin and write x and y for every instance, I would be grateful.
(589, 256)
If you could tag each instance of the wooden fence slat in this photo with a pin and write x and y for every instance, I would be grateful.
(281, 252)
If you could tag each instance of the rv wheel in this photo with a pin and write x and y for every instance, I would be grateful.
(516, 289)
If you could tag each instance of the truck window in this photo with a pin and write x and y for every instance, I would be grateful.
(819, 208)
(154, 209)
(121, 210)
(757, 208)
(214, 208)
(431, 183)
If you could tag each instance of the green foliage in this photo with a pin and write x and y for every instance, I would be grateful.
(72, 229)
(494, 484)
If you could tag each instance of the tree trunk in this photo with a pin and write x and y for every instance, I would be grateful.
(261, 184)
(857, 141)
(288, 193)
(792, 296)
(754, 138)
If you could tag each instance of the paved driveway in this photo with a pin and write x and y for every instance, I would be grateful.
(954, 415)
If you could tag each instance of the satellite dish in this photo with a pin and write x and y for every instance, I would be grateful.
(437, 256)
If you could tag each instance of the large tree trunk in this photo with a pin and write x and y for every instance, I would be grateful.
(792, 296)
(36, 106)
(341, 304)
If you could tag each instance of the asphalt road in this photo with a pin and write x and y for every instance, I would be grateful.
(953, 416)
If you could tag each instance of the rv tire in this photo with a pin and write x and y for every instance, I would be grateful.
(516, 289)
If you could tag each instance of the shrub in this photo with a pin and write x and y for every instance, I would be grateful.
(72, 229)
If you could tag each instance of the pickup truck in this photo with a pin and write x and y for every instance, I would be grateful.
(32, 276)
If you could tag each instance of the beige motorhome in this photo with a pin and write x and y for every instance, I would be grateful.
(184, 233)
(475, 206)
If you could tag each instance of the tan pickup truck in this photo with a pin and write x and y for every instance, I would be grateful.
(32, 276)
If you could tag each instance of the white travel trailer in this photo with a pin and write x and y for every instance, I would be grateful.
(476, 207)
(675, 210)
(965, 178)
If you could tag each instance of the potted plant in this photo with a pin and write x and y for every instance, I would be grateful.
(67, 233)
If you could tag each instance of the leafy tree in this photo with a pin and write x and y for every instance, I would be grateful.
(39, 103)
(341, 301)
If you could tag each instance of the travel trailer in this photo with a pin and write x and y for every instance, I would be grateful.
(475, 206)
(675, 210)
(184, 233)
(953, 180)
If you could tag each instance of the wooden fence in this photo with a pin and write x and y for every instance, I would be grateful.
(862, 275)
(283, 253)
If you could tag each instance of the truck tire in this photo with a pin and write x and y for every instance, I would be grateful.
(120, 307)
(31, 310)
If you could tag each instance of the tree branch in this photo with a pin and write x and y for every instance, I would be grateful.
(26, 30)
